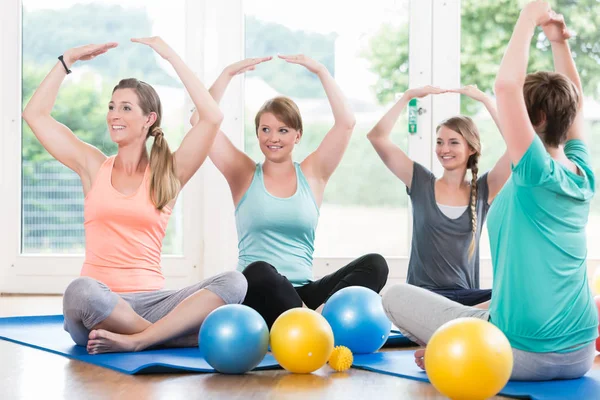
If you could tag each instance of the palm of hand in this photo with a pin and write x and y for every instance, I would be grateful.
(307, 62)
(556, 31)
(157, 44)
(538, 12)
(87, 52)
(426, 90)
(238, 67)
(249, 64)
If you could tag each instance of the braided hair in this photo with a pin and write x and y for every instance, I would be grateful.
(466, 128)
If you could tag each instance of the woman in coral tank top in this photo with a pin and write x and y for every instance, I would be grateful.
(118, 303)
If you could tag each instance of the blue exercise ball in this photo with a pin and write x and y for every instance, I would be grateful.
(357, 318)
(233, 339)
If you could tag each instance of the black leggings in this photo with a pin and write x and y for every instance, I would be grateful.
(466, 297)
(271, 294)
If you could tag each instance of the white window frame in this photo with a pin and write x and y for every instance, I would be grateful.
(215, 38)
(434, 59)
(25, 273)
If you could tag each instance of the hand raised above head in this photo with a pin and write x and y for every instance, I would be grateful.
(471, 91)
(312, 65)
(556, 29)
(423, 91)
(158, 45)
(249, 64)
(538, 12)
(87, 52)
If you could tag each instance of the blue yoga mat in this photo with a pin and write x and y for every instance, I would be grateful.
(402, 364)
(396, 339)
(46, 333)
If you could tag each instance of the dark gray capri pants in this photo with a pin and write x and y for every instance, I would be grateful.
(87, 302)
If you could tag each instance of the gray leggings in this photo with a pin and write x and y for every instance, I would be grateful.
(87, 302)
(418, 313)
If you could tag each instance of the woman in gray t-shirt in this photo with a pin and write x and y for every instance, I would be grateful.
(448, 212)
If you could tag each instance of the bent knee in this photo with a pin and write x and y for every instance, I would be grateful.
(87, 300)
(380, 268)
(396, 294)
(394, 299)
(231, 286)
(82, 292)
(260, 273)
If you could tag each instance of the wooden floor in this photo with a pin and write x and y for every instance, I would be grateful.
(26, 373)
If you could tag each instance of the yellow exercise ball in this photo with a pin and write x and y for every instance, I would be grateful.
(301, 340)
(468, 359)
(596, 282)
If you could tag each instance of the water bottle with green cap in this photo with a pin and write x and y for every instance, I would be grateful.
(413, 114)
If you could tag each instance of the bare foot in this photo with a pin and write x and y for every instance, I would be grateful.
(102, 341)
(420, 358)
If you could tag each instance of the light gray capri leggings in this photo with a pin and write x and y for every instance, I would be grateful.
(87, 302)
(418, 313)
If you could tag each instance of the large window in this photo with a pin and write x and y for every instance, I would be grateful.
(368, 48)
(52, 197)
(365, 206)
(42, 245)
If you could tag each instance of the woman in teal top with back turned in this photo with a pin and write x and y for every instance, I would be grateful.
(542, 300)
(277, 201)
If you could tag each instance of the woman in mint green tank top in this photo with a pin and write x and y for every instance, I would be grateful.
(542, 301)
(277, 201)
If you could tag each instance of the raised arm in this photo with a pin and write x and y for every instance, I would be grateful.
(557, 33)
(196, 144)
(235, 165)
(500, 173)
(391, 154)
(56, 138)
(324, 160)
(473, 92)
(515, 124)
(217, 90)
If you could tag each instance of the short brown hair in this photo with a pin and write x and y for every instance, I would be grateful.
(284, 109)
(555, 97)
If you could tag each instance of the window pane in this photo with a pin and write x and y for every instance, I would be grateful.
(484, 38)
(52, 213)
(365, 206)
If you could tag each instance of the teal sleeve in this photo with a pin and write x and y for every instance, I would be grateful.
(577, 151)
(535, 166)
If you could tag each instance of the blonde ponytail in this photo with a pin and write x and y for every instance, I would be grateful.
(164, 184)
